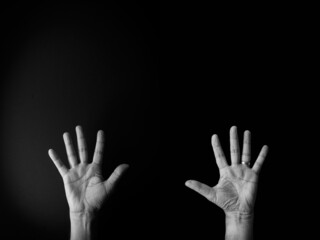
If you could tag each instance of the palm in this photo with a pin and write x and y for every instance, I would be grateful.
(85, 187)
(237, 187)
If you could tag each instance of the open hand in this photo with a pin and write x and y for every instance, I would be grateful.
(85, 188)
(237, 187)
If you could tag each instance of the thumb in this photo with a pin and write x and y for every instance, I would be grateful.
(115, 177)
(202, 189)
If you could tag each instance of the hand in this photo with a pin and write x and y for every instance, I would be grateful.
(84, 185)
(237, 187)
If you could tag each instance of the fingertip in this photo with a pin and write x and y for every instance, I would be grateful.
(188, 183)
(214, 137)
(100, 136)
(122, 168)
(78, 128)
(215, 140)
(125, 166)
(233, 128)
(100, 132)
(52, 154)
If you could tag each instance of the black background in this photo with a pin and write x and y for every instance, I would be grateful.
(160, 79)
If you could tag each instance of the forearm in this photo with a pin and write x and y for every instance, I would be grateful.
(239, 226)
(81, 225)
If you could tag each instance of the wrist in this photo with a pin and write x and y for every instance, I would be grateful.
(239, 218)
(81, 225)
(81, 216)
(239, 225)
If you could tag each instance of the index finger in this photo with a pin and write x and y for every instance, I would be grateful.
(218, 152)
(98, 152)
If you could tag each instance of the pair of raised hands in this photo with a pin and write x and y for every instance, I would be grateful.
(86, 189)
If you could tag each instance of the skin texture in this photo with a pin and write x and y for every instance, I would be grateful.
(236, 190)
(86, 189)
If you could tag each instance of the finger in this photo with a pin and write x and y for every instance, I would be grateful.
(56, 160)
(218, 152)
(82, 146)
(246, 151)
(98, 152)
(234, 146)
(262, 156)
(201, 188)
(115, 176)
(70, 150)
